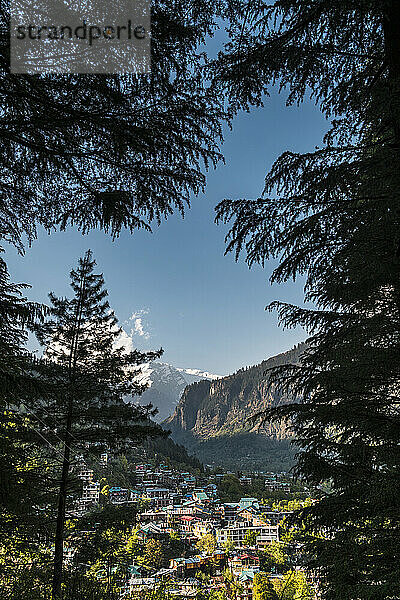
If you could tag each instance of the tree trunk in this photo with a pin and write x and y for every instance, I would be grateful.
(62, 496)
(62, 500)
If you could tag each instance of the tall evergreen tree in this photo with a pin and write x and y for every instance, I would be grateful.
(20, 476)
(110, 151)
(91, 379)
(333, 216)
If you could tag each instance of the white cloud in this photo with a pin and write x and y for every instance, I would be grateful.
(133, 329)
(138, 327)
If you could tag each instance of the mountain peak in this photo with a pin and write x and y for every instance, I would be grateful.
(213, 415)
(167, 383)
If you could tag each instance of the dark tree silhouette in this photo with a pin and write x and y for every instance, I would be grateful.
(92, 378)
(110, 151)
(333, 216)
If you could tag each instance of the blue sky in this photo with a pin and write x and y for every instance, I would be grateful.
(174, 288)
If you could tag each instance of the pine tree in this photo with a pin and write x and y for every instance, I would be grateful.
(110, 151)
(21, 475)
(90, 378)
(333, 216)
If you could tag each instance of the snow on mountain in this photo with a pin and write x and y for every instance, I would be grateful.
(167, 384)
(199, 374)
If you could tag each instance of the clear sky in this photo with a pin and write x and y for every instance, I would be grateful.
(174, 288)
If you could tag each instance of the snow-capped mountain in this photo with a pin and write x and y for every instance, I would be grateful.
(167, 384)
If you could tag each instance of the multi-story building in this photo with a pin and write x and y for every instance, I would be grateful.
(229, 511)
(238, 531)
(90, 494)
(159, 496)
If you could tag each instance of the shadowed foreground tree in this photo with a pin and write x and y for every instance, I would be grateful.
(21, 475)
(333, 215)
(110, 151)
(91, 378)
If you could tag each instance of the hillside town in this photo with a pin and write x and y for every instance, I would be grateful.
(226, 547)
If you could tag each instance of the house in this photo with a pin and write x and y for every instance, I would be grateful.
(184, 525)
(200, 528)
(159, 496)
(90, 494)
(243, 562)
(275, 516)
(248, 513)
(118, 494)
(211, 489)
(150, 531)
(249, 503)
(200, 496)
(188, 566)
(185, 589)
(136, 585)
(238, 531)
(245, 480)
(275, 486)
(153, 516)
(85, 473)
(245, 589)
(229, 511)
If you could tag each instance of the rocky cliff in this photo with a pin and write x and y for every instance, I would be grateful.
(213, 420)
(166, 385)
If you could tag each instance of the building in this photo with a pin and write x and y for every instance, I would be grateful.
(229, 511)
(238, 531)
(243, 562)
(201, 497)
(90, 494)
(249, 503)
(118, 495)
(159, 496)
(201, 528)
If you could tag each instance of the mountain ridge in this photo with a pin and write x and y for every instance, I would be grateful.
(166, 385)
(211, 413)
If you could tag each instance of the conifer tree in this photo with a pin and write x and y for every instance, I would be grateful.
(21, 473)
(91, 379)
(110, 151)
(333, 216)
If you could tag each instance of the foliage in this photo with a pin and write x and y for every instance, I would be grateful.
(173, 454)
(230, 488)
(293, 586)
(263, 588)
(274, 557)
(110, 151)
(207, 543)
(250, 538)
(91, 377)
(332, 216)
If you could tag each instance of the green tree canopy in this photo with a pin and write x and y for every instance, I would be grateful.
(263, 588)
(91, 377)
(332, 216)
